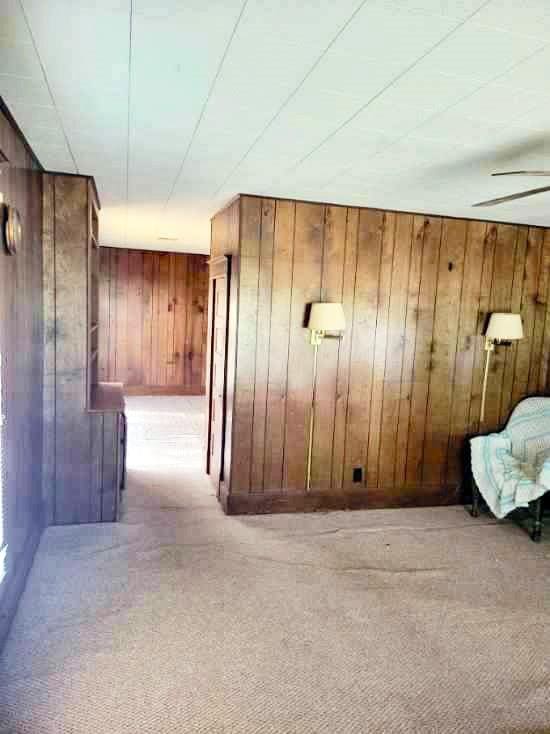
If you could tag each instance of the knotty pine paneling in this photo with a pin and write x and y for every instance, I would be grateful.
(152, 325)
(400, 393)
(21, 355)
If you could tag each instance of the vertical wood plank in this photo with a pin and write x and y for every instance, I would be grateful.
(281, 296)
(121, 306)
(540, 303)
(380, 346)
(345, 349)
(489, 244)
(243, 416)
(438, 415)
(104, 315)
(528, 313)
(113, 345)
(72, 435)
(135, 319)
(155, 292)
(431, 233)
(411, 322)
(363, 333)
(201, 292)
(500, 301)
(171, 362)
(465, 353)
(162, 324)
(332, 282)
(545, 351)
(147, 332)
(515, 306)
(180, 321)
(109, 467)
(306, 289)
(263, 334)
(395, 350)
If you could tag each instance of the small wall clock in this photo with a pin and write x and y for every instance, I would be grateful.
(12, 230)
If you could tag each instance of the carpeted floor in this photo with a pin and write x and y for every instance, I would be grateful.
(179, 620)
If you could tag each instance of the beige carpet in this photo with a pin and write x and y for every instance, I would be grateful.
(179, 620)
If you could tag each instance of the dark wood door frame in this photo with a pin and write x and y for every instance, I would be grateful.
(220, 267)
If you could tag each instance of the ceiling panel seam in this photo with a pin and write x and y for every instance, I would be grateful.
(389, 85)
(291, 96)
(130, 37)
(410, 133)
(24, 12)
(205, 105)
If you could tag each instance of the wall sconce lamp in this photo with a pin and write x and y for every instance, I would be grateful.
(503, 328)
(323, 318)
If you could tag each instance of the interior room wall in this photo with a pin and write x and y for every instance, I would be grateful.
(398, 396)
(21, 351)
(152, 325)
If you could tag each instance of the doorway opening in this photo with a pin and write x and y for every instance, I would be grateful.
(153, 339)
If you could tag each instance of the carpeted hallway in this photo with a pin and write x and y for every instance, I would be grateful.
(179, 619)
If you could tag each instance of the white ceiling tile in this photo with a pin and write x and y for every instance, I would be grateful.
(391, 118)
(313, 22)
(15, 89)
(345, 73)
(38, 136)
(367, 113)
(531, 74)
(56, 158)
(531, 17)
(12, 23)
(460, 9)
(537, 118)
(379, 27)
(19, 59)
(482, 53)
(497, 102)
(457, 128)
(427, 88)
(28, 115)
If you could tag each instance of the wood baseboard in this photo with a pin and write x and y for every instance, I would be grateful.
(14, 583)
(161, 390)
(260, 503)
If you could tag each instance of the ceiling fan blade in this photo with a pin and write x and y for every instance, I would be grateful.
(522, 173)
(513, 197)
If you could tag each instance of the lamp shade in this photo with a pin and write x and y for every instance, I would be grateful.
(505, 327)
(326, 317)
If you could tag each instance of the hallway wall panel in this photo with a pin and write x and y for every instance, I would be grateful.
(21, 354)
(152, 326)
(398, 396)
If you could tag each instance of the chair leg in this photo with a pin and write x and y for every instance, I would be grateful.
(475, 500)
(536, 533)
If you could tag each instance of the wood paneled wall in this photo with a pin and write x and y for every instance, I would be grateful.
(398, 396)
(21, 355)
(81, 446)
(152, 325)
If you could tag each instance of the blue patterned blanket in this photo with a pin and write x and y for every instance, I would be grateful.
(512, 468)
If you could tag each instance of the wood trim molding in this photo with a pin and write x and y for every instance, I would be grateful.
(219, 266)
(161, 390)
(261, 503)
